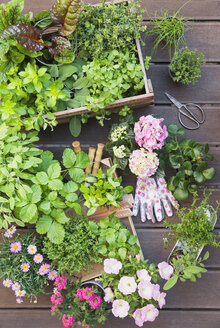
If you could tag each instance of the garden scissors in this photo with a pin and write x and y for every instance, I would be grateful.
(187, 112)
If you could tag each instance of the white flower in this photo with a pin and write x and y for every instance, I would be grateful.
(112, 266)
(109, 296)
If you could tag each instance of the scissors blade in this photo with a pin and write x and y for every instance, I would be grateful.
(174, 101)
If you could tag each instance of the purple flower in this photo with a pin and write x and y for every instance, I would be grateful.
(25, 267)
(20, 293)
(19, 300)
(7, 283)
(38, 258)
(15, 247)
(32, 249)
(44, 269)
(52, 275)
(16, 286)
(9, 233)
(165, 270)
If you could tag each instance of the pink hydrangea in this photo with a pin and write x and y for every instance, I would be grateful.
(165, 270)
(145, 290)
(112, 266)
(143, 275)
(25, 267)
(150, 312)
(15, 247)
(67, 321)
(127, 285)
(109, 296)
(38, 258)
(149, 133)
(143, 163)
(32, 249)
(120, 308)
(7, 283)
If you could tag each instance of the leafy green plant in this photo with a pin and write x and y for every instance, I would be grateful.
(107, 27)
(11, 262)
(196, 225)
(186, 268)
(188, 158)
(114, 239)
(113, 76)
(77, 250)
(103, 190)
(185, 66)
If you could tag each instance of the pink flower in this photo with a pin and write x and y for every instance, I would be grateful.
(87, 293)
(143, 163)
(165, 270)
(16, 286)
(38, 258)
(143, 275)
(109, 296)
(79, 323)
(19, 300)
(139, 317)
(52, 275)
(15, 247)
(44, 269)
(60, 282)
(127, 285)
(53, 308)
(7, 283)
(145, 290)
(120, 308)
(20, 293)
(25, 267)
(32, 249)
(86, 326)
(150, 312)
(112, 266)
(95, 301)
(149, 133)
(67, 321)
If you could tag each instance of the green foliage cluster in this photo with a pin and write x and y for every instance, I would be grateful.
(188, 158)
(186, 268)
(103, 190)
(185, 66)
(114, 75)
(78, 249)
(107, 27)
(10, 264)
(81, 310)
(196, 225)
(114, 239)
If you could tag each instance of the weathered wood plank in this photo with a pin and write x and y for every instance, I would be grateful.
(205, 37)
(207, 89)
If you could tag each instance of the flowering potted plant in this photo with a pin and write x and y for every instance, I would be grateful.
(131, 286)
(22, 262)
(76, 305)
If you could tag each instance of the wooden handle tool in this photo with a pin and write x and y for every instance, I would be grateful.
(98, 158)
(91, 155)
(76, 146)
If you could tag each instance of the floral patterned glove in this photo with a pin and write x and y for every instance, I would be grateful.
(148, 200)
(166, 196)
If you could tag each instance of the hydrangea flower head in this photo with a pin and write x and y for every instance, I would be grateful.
(16, 286)
(120, 308)
(32, 249)
(112, 266)
(165, 270)
(143, 163)
(149, 133)
(38, 258)
(127, 285)
(143, 275)
(44, 269)
(145, 290)
(15, 247)
(7, 283)
(25, 267)
(52, 275)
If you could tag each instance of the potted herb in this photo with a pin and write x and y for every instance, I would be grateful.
(22, 262)
(77, 305)
(185, 66)
(188, 158)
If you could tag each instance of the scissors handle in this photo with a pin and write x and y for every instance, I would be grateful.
(191, 116)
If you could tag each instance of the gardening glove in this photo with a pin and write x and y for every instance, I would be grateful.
(147, 200)
(166, 196)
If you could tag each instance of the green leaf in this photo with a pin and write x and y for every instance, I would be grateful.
(69, 158)
(181, 132)
(122, 237)
(56, 233)
(122, 252)
(128, 189)
(82, 160)
(209, 173)
(76, 174)
(172, 130)
(42, 178)
(102, 249)
(75, 126)
(110, 237)
(45, 207)
(132, 240)
(198, 177)
(171, 282)
(3, 131)
(181, 194)
(55, 184)
(206, 256)
(92, 210)
(35, 197)
(54, 171)
(60, 216)
(10, 12)
(43, 224)
(28, 212)
(77, 208)
(210, 157)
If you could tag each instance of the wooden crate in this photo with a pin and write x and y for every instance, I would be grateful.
(134, 102)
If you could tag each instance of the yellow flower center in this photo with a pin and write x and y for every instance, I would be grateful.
(45, 268)
(32, 249)
(25, 267)
(15, 246)
(7, 283)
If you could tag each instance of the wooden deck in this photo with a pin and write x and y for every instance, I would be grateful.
(189, 305)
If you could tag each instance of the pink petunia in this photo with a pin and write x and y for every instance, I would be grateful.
(165, 270)
(25, 267)
(38, 258)
(120, 308)
(32, 249)
(127, 285)
(112, 266)
(7, 283)
(15, 247)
